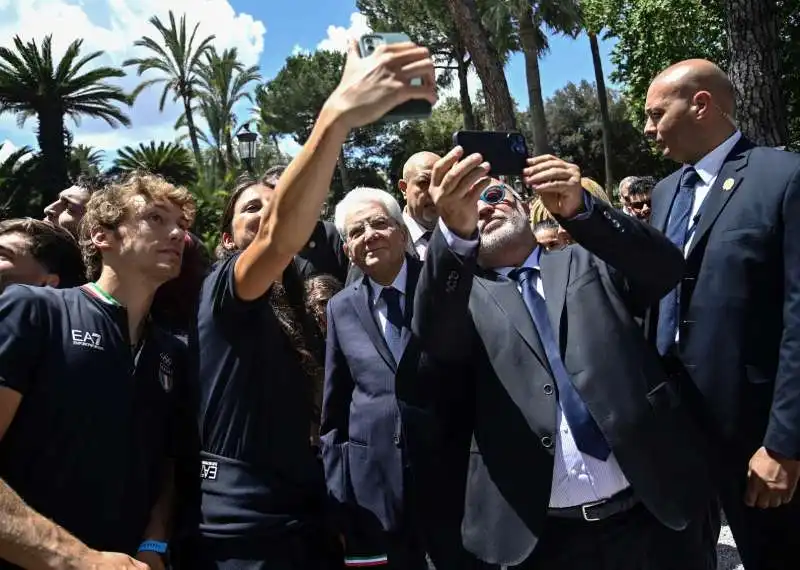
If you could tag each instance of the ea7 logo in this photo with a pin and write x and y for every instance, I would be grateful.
(87, 339)
(208, 470)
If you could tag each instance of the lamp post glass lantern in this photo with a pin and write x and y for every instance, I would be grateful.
(247, 145)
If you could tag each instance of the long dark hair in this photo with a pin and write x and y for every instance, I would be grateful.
(288, 302)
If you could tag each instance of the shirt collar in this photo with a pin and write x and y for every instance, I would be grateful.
(415, 231)
(709, 166)
(532, 261)
(399, 283)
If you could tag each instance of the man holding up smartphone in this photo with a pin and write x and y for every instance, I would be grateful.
(596, 473)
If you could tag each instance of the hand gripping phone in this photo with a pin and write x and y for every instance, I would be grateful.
(413, 109)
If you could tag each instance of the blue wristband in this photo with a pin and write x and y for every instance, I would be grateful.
(153, 546)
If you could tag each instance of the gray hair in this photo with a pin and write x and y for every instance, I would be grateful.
(360, 196)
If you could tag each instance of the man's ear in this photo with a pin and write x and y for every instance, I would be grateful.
(403, 185)
(348, 253)
(101, 238)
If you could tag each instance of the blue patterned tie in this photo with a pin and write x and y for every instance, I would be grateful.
(393, 313)
(585, 431)
(677, 230)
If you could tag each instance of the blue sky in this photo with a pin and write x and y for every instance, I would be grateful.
(264, 31)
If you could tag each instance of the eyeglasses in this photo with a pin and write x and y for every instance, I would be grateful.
(493, 195)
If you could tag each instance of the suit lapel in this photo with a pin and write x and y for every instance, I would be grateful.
(662, 201)
(555, 277)
(362, 304)
(505, 294)
(413, 269)
(722, 190)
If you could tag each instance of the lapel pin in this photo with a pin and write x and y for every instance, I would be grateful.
(728, 184)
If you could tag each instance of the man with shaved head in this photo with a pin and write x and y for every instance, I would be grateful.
(733, 323)
(419, 213)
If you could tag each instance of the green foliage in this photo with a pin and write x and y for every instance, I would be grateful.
(290, 103)
(653, 34)
(169, 160)
(32, 84)
(15, 184)
(85, 160)
(434, 135)
(575, 132)
(790, 52)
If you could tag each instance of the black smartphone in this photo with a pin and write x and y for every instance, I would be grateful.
(507, 152)
(413, 109)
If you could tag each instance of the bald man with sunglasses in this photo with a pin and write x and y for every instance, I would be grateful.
(581, 447)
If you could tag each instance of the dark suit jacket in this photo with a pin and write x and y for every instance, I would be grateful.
(323, 253)
(740, 299)
(379, 415)
(592, 297)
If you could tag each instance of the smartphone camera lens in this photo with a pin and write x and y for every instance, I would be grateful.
(517, 143)
(370, 45)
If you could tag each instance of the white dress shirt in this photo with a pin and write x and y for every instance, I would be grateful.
(416, 233)
(380, 311)
(708, 169)
(578, 478)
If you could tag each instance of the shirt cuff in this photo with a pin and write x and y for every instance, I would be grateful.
(588, 206)
(461, 246)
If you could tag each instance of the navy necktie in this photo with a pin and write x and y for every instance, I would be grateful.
(677, 230)
(585, 431)
(394, 313)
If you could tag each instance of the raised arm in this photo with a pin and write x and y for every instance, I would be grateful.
(649, 262)
(370, 87)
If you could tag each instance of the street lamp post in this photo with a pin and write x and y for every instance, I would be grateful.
(247, 146)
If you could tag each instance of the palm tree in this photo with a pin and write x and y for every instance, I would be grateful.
(169, 160)
(85, 159)
(180, 62)
(223, 79)
(31, 83)
(14, 171)
(529, 19)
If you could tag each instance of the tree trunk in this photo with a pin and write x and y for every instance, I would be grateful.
(229, 149)
(342, 166)
(755, 70)
(463, 91)
(602, 97)
(187, 106)
(529, 38)
(487, 63)
(53, 170)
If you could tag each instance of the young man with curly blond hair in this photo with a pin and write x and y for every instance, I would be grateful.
(91, 416)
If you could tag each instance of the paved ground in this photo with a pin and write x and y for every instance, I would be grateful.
(727, 557)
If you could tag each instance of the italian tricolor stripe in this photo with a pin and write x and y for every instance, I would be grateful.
(365, 561)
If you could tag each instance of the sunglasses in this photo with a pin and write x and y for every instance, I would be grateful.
(493, 195)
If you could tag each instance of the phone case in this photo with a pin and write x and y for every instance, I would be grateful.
(414, 109)
(507, 152)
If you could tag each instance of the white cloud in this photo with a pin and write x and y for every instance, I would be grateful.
(287, 145)
(300, 50)
(112, 26)
(338, 36)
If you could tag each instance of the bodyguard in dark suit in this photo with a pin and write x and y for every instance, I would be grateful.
(734, 321)
(397, 475)
(581, 454)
